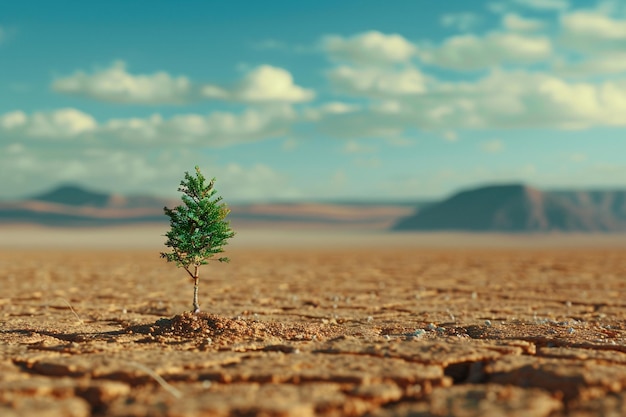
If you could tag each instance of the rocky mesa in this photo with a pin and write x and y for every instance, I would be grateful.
(519, 208)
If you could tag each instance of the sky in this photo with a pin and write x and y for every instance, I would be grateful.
(312, 100)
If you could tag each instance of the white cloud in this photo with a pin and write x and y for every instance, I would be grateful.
(113, 170)
(492, 146)
(258, 182)
(500, 100)
(520, 99)
(263, 84)
(590, 31)
(127, 171)
(462, 21)
(13, 120)
(596, 25)
(116, 85)
(267, 83)
(604, 64)
(585, 104)
(58, 124)
(214, 129)
(611, 7)
(470, 52)
(377, 82)
(337, 107)
(517, 23)
(544, 5)
(333, 107)
(389, 106)
(369, 48)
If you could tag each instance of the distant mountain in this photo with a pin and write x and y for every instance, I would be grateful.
(607, 203)
(74, 196)
(495, 208)
(70, 206)
(519, 208)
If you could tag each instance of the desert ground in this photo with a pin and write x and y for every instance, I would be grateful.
(94, 323)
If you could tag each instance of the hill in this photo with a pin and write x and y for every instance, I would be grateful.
(493, 208)
(519, 208)
(71, 206)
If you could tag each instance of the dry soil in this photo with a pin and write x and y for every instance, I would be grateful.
(302, 332)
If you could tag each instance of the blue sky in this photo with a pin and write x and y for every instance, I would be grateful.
(312, 100)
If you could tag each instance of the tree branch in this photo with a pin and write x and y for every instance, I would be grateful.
(189, 272)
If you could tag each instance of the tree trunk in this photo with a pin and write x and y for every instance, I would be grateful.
(196, 306)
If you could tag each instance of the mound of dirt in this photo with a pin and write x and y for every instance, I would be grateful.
(214, 329)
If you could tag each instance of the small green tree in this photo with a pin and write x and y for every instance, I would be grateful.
(198, 229)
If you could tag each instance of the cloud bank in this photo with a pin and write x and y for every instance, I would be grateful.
(542, 64)
(116, 85)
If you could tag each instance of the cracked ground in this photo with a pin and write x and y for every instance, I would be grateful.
(303, 332)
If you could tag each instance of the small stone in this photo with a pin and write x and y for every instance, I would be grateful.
(418, 333)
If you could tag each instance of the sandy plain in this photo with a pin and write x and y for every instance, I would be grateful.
(371, 325)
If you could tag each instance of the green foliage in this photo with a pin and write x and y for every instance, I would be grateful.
(198, 229)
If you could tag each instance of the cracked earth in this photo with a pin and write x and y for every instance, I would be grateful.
(304, 332)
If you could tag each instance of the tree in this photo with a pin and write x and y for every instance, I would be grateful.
(198, 229)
